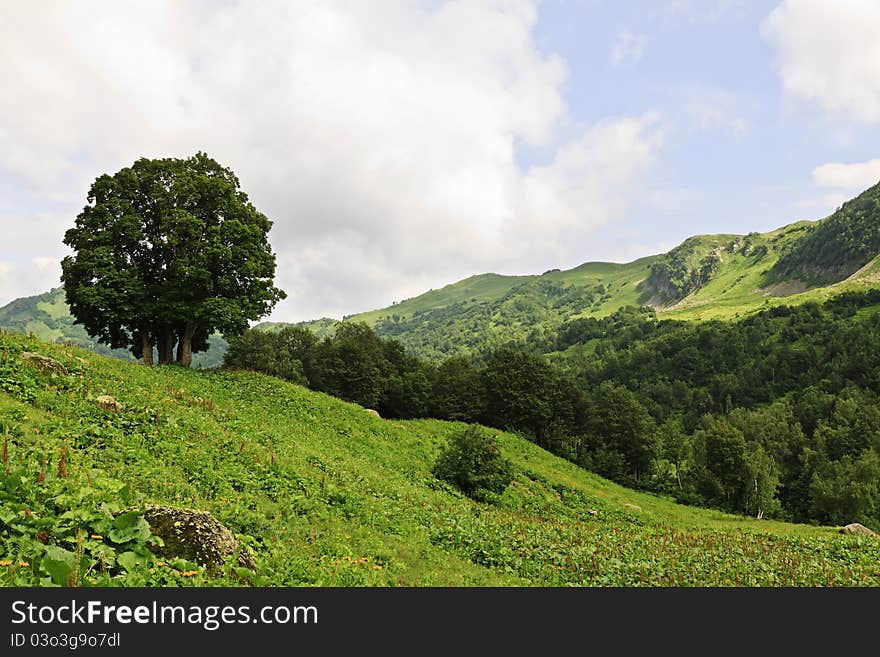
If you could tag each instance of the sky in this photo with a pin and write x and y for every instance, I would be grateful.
(398, 146)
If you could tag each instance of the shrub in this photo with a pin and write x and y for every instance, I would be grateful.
(472, 461)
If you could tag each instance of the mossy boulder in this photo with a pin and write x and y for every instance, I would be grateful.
(196, 536)
(43, 363)
(855, 529)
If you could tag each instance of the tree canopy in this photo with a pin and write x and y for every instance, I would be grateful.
(168, 251)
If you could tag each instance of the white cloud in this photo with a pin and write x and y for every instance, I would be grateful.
(28, 277)
(710, 116)
(629, 48)
(714, 108)
(585, 186)
(829, 54)
(856, 175)
(380, 138)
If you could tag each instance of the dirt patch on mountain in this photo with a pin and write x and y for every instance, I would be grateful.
(784, 289)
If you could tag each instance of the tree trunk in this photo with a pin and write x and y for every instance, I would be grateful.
(678, 477)
(184, 347)
(758, 502)
(166, 347)
(539, 437)
(147, 348)
(179, 357)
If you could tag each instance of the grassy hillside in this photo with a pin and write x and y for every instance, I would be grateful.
(327, 494)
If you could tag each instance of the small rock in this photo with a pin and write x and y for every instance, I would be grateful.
(634, 507)
(855, 529)
(195, 536)
(372, 412)
(43, 363)
(109, 403)
(593, 512)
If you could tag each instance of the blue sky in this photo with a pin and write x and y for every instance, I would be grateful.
(399, 146)
(739, 152)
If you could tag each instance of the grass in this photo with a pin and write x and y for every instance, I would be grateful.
(328, 495)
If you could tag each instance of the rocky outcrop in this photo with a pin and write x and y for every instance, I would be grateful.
(195, 536)
(43, 363)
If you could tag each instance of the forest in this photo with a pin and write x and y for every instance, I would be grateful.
(775, 415)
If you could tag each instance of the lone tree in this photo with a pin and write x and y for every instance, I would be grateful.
(168, 251)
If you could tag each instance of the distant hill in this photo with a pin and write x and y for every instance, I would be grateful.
(320, 327)
(48, 318)
(706, 277)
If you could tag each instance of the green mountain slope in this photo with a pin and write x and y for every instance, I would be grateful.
(48, 317)
(327, 494)
(839, 246)
(706, 277)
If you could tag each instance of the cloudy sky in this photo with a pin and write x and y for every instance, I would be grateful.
(400, 146)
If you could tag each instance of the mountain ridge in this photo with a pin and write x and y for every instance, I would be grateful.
(714, 276)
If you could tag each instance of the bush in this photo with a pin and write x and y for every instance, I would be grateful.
(472, 461)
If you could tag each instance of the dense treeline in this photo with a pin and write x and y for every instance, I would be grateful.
(527, 312)
(777, 414)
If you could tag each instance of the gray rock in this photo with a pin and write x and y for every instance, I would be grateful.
(195, 536)
(372, 412)
(109, 403)
(855, 529)
(43, 363)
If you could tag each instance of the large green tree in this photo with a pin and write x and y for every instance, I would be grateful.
(619, 424)
(168, 251)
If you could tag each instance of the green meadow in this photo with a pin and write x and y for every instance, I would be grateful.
(323, 493)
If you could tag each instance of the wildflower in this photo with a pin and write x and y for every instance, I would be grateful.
(5, 563)
(97, 537)
(24, 564)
